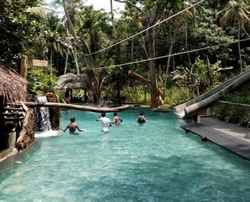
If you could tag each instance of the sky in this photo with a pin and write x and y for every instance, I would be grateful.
(100, 4)
(104, 4)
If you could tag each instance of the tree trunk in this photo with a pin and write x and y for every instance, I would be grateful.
(169, 58)
(66, 62)
(186, 45)
(152, 69)
(239, 48)
(72, 31)
(118, 92)
(51, 64)
(132, 49)
(76, 107)
(24, 66)
(111, 11)
(76, 62)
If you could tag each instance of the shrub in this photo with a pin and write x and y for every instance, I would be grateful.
(40, 81)
(177, 95)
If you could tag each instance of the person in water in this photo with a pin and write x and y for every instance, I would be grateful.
(141, 118)
(117, 119)
(73, 127)
(105, 122)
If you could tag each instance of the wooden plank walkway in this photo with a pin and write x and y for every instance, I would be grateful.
(229, 136)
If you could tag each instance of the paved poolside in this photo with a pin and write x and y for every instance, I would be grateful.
(230, 136)
(7, 153)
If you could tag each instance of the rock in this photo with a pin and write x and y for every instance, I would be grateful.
(27, 134)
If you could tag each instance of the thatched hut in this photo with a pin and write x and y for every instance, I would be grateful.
(12, 86)
(16, 125)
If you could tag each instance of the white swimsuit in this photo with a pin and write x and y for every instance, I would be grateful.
(105, 124)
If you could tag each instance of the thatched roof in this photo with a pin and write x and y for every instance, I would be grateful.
(72, 81)
(12, 86)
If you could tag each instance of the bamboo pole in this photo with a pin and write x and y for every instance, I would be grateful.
(76, 107)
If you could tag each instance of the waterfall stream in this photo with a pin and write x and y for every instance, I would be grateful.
(43, 120)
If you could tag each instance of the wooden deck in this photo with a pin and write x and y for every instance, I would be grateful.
(230, 136)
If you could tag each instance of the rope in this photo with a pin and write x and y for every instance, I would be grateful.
(174, 54)
(145, 30)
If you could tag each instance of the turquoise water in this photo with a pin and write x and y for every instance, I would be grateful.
(153, 162)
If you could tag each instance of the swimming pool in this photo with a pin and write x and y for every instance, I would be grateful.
(153, 162)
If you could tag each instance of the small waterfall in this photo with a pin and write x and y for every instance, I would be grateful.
(43, 120)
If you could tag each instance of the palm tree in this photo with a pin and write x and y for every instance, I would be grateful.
(52, 36)
(94, 30)
(69, 10)
(235, 14)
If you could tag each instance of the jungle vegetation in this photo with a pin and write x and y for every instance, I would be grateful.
(68, 41)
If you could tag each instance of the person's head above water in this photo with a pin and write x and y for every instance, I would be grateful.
(115, 114)
(103, 114)
(141, 114)
(73, 119)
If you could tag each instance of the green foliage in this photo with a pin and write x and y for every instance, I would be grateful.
(174, 95)
(26, 28)
(177, 95)
(136, 95)
(235, 114)
(40, 81)
(238, 99)
(241, 95)
(202, 76)
(17, 29)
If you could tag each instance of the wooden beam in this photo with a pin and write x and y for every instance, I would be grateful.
(76, 107)
(139, 77)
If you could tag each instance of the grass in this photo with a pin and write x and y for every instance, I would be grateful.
(177, 95)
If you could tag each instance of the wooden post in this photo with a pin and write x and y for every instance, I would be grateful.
(24, 66)
(12, 138)
(54, 112)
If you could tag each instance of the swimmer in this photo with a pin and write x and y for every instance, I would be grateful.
(106, 123)
(73, 126)
(117, 119)
(141, 118)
